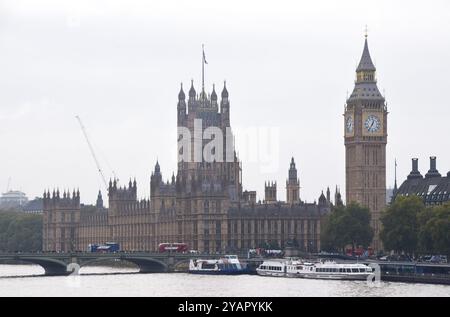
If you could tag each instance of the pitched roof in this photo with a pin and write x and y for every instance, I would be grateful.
(366, 61)
(433, 190)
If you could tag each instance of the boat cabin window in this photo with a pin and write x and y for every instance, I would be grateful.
(355, 270)
(208, 266)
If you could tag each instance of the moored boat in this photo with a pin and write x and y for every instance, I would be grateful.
(334, 271)
(276, 268)
(319, 270)
(228, 265)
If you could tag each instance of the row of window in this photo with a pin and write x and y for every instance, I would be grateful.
(273, 226)
(271, 268)
(341, 270)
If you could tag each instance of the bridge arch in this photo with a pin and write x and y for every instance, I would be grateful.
(181, 265)
(52, 267)
(99, 260)
(145, 264)
(148, 265)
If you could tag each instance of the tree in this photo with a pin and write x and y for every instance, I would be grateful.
(434, 234)
(425, 238)
(347, 225)
(20, 232)
(401, 224)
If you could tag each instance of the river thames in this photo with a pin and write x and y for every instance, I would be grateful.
(23, 280)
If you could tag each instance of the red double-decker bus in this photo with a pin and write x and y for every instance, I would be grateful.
(173, 247)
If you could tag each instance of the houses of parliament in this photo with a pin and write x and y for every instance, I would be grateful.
(204, 204)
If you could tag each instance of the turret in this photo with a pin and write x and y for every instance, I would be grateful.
(270, 192)
(338, 198)
(366, 69)
(155, 179)
(99, 203)
(225, 106)
(366, 83)
(292, 185)
(192, 92)
(214, 97)
(322, 200)
(181, 107)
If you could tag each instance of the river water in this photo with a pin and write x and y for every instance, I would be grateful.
(24, 280)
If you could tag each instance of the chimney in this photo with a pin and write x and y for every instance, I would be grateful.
(415, 165)
(433, 163)
(433, 172)
(415, 169)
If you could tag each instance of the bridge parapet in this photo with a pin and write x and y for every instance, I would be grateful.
(148, 262)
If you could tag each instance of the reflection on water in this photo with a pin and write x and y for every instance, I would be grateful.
(15, 280)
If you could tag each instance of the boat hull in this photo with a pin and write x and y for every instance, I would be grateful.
(353, 277)
(222, 272)
(273, 274)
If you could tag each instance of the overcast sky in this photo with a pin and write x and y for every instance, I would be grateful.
(288, 67)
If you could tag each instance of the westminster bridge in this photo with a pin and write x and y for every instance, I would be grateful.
(67, 263)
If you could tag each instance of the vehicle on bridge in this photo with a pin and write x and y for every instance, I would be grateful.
(260, 252)
(108, 247)
(173, 247)
(360, 252)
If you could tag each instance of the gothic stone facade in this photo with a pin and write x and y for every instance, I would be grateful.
(203, 205)
(365, 143)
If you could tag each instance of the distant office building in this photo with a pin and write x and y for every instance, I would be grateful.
(434, 188)
(13, 199)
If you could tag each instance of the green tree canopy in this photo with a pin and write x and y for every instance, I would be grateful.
(347, 225)
(20, 232)
(434, 234)
(401, 224)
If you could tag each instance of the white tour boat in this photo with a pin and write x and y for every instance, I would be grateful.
(272, 268)
(319, 270)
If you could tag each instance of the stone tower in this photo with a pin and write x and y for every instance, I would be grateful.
(61, 217)
(292, 185)
(270, 192)
(209, 171)
(365, 125)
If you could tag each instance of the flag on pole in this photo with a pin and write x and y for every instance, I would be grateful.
(204, 57)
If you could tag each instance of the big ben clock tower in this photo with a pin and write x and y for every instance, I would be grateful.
(365, 125)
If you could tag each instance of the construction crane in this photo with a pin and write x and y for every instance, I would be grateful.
(92, 152)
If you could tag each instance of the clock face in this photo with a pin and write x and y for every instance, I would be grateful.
(349, 124)
(372, 124)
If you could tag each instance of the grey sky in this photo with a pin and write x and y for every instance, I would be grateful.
(288, 65)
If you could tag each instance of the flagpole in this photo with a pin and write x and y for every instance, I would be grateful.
(395, 172)
(203, 68)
